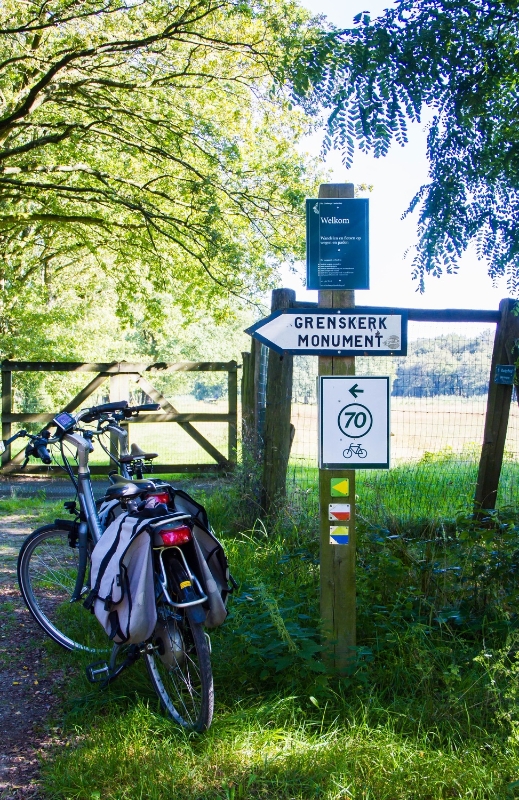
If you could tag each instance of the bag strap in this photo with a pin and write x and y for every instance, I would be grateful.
(102, 566)
(137, 528)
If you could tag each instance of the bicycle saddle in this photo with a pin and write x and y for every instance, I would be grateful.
(136, 453)
(119, 480)
(126, 487)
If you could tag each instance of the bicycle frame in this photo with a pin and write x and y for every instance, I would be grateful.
(122, 437)
(84, 487)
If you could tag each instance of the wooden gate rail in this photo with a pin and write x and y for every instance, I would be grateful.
(117, 372)
(431, 314)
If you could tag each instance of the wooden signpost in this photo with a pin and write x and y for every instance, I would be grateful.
(333, 266)
(337, 256)
(338, 591)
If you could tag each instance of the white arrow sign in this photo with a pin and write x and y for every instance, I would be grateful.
(334, 331)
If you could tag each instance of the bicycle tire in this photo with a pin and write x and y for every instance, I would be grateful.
(181, 675)
(347, 453)
(362, 453)
(47, 570)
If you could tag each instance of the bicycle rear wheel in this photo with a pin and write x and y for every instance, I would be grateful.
(47, 571)
(179, 666)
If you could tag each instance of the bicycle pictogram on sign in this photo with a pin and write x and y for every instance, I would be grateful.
(355, 450)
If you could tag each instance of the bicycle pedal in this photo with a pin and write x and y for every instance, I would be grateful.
(98, 672)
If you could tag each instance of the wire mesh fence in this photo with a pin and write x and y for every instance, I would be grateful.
(438, 405)
(261, 395)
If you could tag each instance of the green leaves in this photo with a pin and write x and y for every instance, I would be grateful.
(460, 60)
(140, 143)
(272, 634)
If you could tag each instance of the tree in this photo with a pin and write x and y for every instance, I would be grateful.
(460, 60)
(143, 148)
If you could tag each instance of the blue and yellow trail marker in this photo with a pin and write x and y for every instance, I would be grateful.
(339, 534)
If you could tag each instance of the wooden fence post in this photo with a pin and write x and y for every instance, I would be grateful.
(7, 407)
(498, 409)
(337, 562)
(232, 392)
(277, 433)
(119, 390)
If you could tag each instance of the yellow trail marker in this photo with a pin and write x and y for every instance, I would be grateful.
(340, 487)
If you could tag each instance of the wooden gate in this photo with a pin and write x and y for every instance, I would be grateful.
(118, 373)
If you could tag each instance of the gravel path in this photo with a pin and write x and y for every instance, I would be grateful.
(55, 489)
(61, 489)
(27, 678)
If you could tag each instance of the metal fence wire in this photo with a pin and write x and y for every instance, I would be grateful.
(261, 397)
(438, 403)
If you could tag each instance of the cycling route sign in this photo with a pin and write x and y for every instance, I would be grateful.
(353, 422)
(334, 331)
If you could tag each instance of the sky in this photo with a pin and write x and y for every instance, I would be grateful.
(396, 178)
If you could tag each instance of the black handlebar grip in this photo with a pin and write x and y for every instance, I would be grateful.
(96, 411)
(118, 406)
(38, 449)
(42, 453)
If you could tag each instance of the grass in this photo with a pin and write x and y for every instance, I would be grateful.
(278, 748)
(431, 489)
(172, 443)
(429, 710)
(37, 507)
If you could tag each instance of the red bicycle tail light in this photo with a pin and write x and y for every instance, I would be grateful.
(176, 536)
(162, 497)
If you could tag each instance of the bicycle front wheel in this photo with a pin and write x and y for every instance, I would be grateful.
(47, 571)
(179, 666)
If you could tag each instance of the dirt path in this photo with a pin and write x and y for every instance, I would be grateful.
(27, 679)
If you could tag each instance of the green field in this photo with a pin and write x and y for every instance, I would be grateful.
(428, 710)
(172, 443)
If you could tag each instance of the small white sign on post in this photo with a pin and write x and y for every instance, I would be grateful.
(353, 422)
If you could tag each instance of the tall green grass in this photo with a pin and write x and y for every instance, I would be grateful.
(279, 748)
(437, 487)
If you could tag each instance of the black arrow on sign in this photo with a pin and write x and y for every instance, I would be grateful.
(355, 391)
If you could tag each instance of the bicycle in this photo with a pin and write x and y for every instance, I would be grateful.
(355, 450)
(53, 572)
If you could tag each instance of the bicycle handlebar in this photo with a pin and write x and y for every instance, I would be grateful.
(90, 414)
(145, 407)
(38, 446)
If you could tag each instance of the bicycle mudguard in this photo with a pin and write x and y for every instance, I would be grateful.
(70, 525)
(66, 524)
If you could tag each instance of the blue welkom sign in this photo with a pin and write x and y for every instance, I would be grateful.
(337, 244)
(505, 373)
